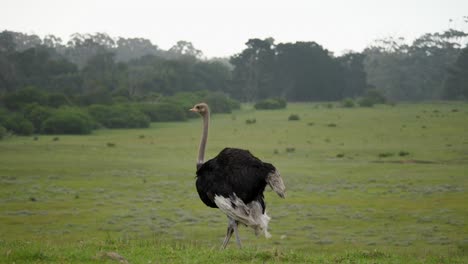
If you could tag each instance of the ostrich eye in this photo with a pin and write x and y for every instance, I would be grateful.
(198, 107)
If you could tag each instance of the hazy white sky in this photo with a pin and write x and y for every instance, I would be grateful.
(221, 28)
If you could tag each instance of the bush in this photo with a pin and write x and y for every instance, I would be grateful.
(17, 100)
(17, 124)
(375, 96)
(385, 154)
(57, 100)
(221, 103)
(3, 115)
(272, 103)
(218, 101)
(372, 97)
(251, 121)
(163, 112)
(3, 132)
(293, 117)
(37, 114)
(347, 102)
(68, 121)
(185, 100)
(366, 102)
(403, 153)
(119, 116)
(101, 96)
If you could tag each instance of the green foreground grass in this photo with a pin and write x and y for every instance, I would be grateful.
(365, 185)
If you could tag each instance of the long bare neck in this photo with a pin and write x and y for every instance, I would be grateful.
(201, 150)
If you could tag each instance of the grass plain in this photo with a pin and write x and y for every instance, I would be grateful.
(387, 184)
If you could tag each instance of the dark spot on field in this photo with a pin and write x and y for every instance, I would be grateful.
(405, 161)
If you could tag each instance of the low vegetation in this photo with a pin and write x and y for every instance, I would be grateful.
(293, 117)
(68, 121)
(31, 110)
(272, 103)
(115, 195)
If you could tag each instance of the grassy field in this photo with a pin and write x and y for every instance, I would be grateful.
(365, 185)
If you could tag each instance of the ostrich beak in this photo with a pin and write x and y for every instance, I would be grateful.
(193, 110)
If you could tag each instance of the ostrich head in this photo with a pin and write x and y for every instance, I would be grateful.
(201, 108)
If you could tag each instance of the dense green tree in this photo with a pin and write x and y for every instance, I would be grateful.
(8, 72)
(354, 75)
(185, 49)
(416, 71)
(100, 72)
(96, 68)
(456, 84)
(134, 48)
(17, 100)
(37, 114)
(254, 70)
(308, 72)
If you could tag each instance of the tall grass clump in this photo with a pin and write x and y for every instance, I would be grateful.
(271, 103)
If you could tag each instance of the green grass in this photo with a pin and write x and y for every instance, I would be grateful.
(352, 198)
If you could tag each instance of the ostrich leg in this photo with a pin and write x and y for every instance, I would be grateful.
(232, 228)
(236, 232)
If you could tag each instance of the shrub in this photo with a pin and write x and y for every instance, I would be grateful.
(221, 103)
(403, 153)
(375, 96)
(251, 121)
(3, 115)
(385, 155)
(17, 100)
(57, 100)
(129, 118)
(17, 124)
(3, 132)
(271, 103)
(163, 112)
(347, 102)
(37, 114)
(100, 96)
(293, 117)
(372, 97)
(120, 99)
(119, 116)
(290, 150)
(68, 121)
(366, 102)
(185, 100)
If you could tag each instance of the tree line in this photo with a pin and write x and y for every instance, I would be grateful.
(96, 68)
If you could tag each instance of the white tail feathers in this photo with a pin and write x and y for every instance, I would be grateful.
(248, 214)
(276, 183)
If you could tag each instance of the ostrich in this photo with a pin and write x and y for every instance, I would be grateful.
(234, 182)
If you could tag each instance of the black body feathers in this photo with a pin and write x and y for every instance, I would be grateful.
(233, 171)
